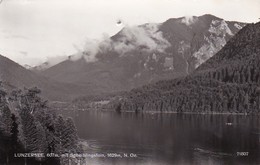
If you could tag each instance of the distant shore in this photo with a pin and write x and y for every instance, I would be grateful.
(173, 112)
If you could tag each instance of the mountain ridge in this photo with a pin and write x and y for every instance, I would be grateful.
(15, 76)
(147, 53)
(227, 83)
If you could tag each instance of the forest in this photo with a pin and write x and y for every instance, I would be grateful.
(226, 83)
(28, 125)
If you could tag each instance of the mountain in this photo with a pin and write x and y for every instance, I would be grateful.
(229, 82)
(51, 61)
(147, 53)
(40, 67)
(26, 66)
(15, 76)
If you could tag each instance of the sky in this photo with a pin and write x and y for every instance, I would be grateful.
(33, 31)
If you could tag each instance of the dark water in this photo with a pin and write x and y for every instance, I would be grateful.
(170, 138)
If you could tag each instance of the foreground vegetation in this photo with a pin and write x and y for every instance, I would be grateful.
(28, 125)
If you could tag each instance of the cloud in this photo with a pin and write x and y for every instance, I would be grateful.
(88, 51)
(7, 34)
(16, 37)
(24, 53)
(188, 20)
(145, 38)
(53, 34)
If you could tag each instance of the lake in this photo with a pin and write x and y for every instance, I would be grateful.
(166, 139)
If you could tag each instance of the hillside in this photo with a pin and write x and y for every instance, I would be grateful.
(144, 54)
(227, 82)
(15, 76)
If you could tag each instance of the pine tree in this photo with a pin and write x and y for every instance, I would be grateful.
(246, 102)
(30, 132)
(42, 145)
(71, 136)
(6, 121)
(59, 134)
(14, 133)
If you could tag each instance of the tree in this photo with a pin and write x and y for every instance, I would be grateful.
(5, 124)
(31, 133)
(33, 127)
(71, 136)
(42, 146)
(14, 133)
(6, 121)
(59, 134)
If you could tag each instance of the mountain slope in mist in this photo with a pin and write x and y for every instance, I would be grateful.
(228, 82)
(147, 53)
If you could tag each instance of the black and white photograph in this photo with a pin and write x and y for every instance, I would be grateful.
(129, 82)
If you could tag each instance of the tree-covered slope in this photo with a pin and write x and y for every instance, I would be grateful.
(147, 53)
(28, 125)
(227, 82)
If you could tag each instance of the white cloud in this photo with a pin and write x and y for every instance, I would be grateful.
(188, 20)
(144, 38)
(55, 25)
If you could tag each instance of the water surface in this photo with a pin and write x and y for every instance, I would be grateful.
(169, 138)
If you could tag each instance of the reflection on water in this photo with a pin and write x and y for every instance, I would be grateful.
(170, 138)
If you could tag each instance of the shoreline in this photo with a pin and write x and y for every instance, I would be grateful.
(193, 113)
(172, 112)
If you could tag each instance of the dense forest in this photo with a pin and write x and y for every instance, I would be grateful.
(28, 125)
(229, 82)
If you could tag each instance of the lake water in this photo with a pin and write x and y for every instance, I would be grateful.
(168, 139)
